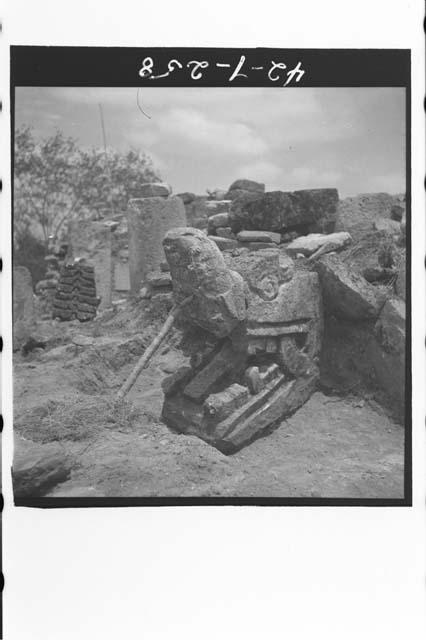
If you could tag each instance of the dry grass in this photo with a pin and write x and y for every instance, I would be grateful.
(77, 420)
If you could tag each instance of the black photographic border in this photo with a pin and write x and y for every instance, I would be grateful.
(45, 66)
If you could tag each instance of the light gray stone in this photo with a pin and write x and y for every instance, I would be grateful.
(149, 219)
(259, 236)
(310, 244)
(346, 293)
(154, 189)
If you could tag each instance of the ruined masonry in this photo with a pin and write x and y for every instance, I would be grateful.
(75, 296)
(254, 334)
(149, 218)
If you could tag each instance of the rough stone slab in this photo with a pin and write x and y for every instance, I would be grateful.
(390, 327)
(159, 279)
(315, 241)
(37, 468)
(247, 185)
(259, 236)
(154, 189)
(285, 399)
(346, 293)
(204, 381)
(224, 244)
(149, 219)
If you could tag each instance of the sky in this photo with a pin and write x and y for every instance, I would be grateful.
(205, 138)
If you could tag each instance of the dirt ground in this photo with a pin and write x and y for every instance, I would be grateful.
(332, 447)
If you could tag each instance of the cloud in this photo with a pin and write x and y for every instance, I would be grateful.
(199, 129)
(306, 177)
(263, 170)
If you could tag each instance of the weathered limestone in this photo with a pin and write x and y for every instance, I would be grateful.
(148, 221)
(346, 293)
(23, 306)
(198, 269)
(314, 242)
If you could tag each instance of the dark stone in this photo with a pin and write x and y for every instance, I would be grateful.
(279, 210)
(397, 212)
(37, 468)
(247, 185)
(187, 197)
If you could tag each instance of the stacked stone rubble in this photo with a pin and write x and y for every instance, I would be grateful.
(75, 296)
(46, 288)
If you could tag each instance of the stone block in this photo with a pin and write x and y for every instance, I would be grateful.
(279, 210)
(149, 219)
(390, 327)
(259, 236)
(346, 293)
(318, 242)
(154, 190)
(247, 185)
(219, 405)
(38, 467)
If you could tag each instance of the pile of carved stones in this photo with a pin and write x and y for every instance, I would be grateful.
(253, 330)
(263, 280)
(75, 295)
